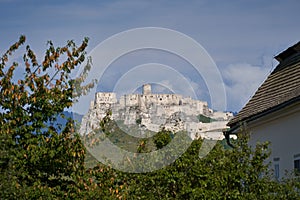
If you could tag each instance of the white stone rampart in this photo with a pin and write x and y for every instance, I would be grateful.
(222, 115)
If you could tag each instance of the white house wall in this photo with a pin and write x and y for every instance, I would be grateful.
(282, 130)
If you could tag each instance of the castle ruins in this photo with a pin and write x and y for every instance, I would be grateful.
(156, 111)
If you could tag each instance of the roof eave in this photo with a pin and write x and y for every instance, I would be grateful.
(236, 125)
(288, 52)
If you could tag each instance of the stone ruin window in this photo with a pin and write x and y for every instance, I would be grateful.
(180, 102)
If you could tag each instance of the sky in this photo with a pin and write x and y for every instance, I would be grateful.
(241, 37)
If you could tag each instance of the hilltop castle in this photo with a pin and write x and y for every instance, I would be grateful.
(154, 111)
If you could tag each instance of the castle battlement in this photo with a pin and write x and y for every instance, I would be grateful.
(147, 98)
(105, 97)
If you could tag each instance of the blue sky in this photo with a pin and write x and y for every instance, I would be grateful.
(242, 37)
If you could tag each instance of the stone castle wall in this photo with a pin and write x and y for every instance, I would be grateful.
(152, 111)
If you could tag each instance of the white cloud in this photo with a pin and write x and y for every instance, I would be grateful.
(242, 80)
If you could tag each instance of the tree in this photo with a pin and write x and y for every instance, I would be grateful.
(38, 156)
(225, 173)
(235, 173)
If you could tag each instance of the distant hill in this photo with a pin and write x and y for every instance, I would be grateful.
(73, 115)
(63, 120)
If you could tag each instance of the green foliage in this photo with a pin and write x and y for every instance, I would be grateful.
(40, 161)
(225, 173)
(162, 138)
(205, 119)
(37, 159)
(238, 173)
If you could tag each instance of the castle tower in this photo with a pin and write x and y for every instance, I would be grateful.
(146, 89)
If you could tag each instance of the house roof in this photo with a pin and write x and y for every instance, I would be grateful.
(281, 88)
